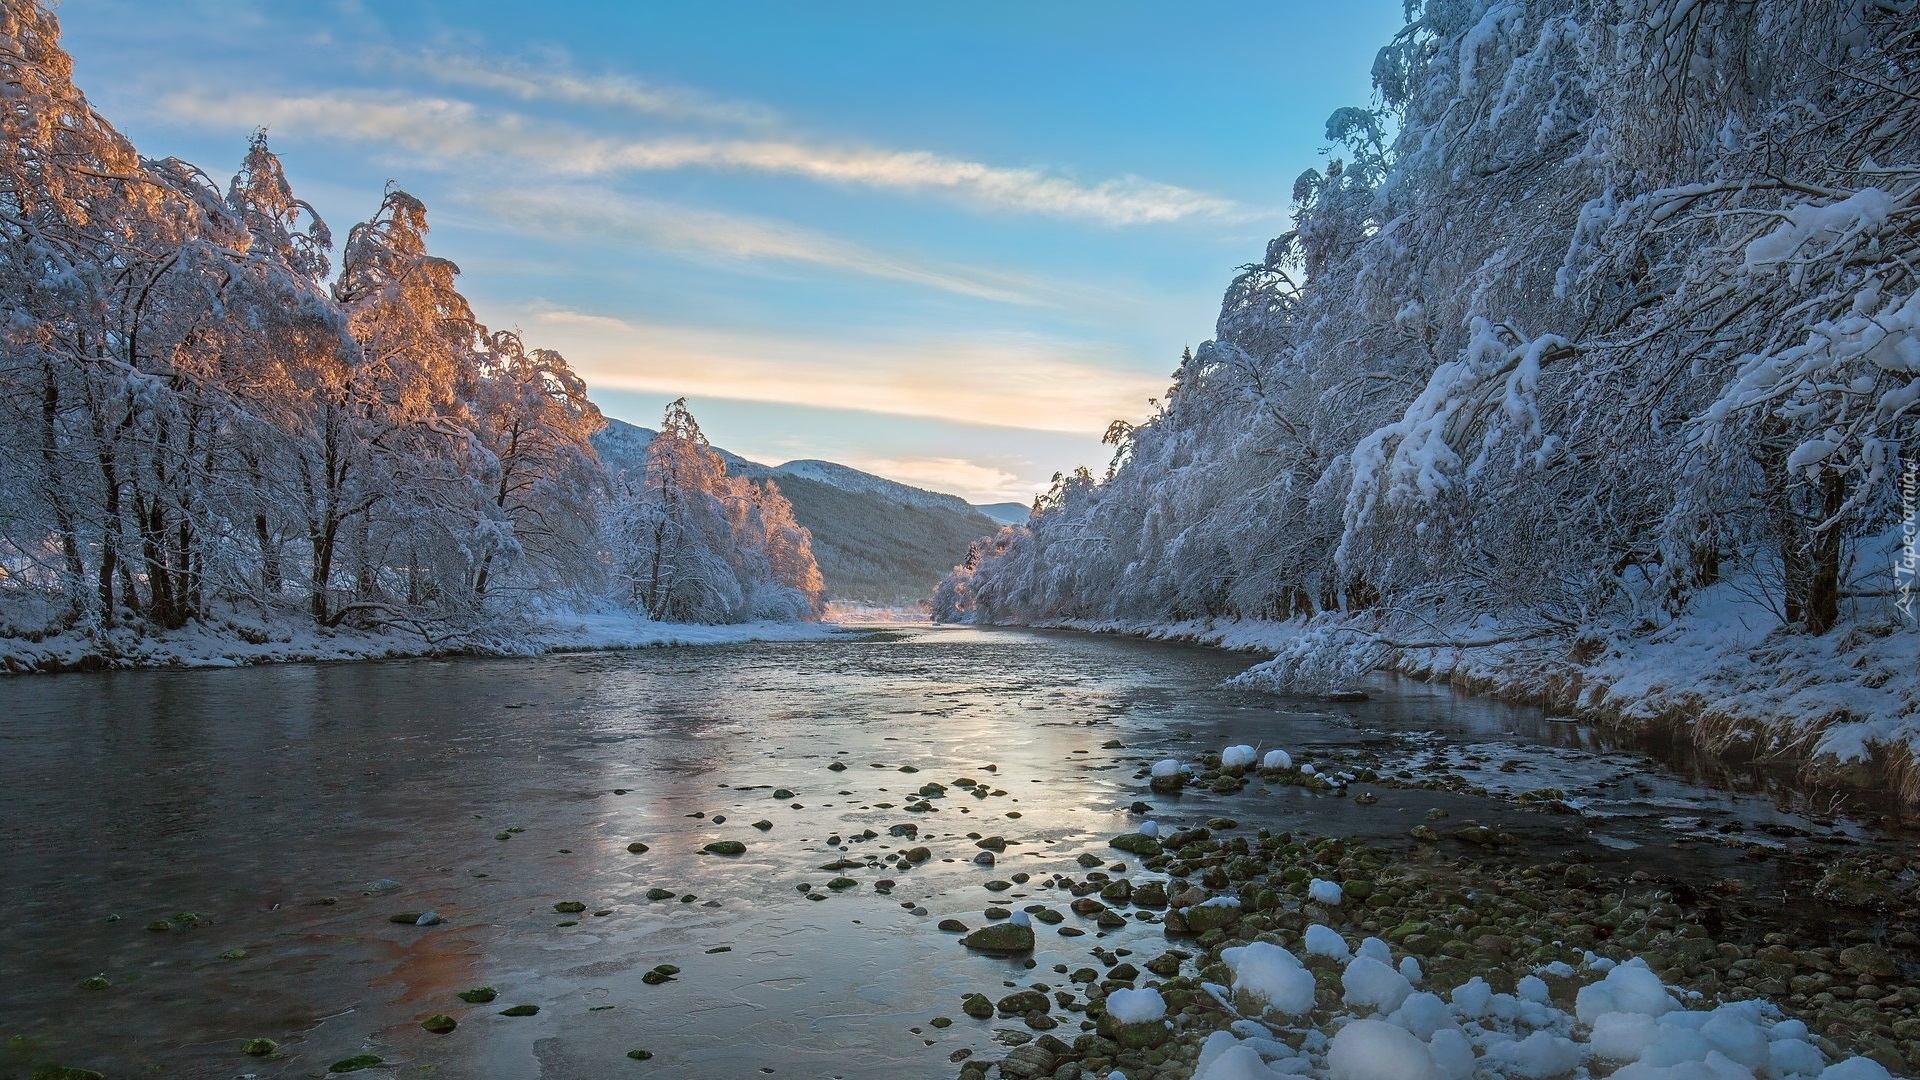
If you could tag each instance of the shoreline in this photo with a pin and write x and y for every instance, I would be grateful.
(1780, 704)
(245, 644)
(1508, 948)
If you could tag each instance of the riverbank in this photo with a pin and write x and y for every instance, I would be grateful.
(1455, 956)
(240, 642)
(1840, 710)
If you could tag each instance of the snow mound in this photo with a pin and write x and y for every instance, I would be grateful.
(1321, 891)
(1166, 768)
(1631, 987)
(1136, 1006)
(1270, 977)
(1236, 757)
(1373, 985)
(1326, 941)
(1377, 1050)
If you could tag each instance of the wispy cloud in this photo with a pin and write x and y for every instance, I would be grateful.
(970, 479)
(706, 235)
(559, 83)
(441, 130)
(1006, 380)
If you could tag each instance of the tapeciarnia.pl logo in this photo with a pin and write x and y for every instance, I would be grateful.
(1906, 566)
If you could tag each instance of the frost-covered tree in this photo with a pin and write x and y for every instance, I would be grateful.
(196, 422)
(1598, 304)
(692, 544)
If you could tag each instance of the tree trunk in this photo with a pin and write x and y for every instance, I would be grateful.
(1823, 562)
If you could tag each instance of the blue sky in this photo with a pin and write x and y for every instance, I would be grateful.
(944, 243)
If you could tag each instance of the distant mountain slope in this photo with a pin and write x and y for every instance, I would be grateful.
(1007, 513)
(876, 540)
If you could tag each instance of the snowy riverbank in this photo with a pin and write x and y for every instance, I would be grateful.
(1840, 708)
(240, 642)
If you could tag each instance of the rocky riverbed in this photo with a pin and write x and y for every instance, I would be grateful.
(764, 860)
(1467, 903)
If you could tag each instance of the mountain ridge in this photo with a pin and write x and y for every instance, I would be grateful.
(876, 540)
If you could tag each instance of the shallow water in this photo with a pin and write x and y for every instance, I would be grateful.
(247, 798)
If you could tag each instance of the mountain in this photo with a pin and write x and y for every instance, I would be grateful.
(876, 540)
(1007, 513)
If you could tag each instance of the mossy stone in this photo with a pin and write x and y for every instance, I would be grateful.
(95, 982)
(259, 1047)
(439, 1023)
(569, 907)
(659, 894)
(479, 995)
(1004, 938)
(726, 847)
(354, 1063)
(640, 1055)
(1136, 844)
(520, 1010)
(638, 848)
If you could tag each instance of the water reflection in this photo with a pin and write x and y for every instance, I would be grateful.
(261, 802)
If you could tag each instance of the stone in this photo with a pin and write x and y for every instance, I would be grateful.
(259, 1047)
(439, 1023)
(569, 907)
(763, 824)
(1868, 960)
(1022, 1002)
(726, 847)
(354, 1063)
(977, 1006)
(782, 793)
(1152, 894)
(647, 1055)
(479, 995)
(1136, 844)
(520, 1010)
(638, 848)
(1002, 938)
(1204, 917)
(1027, 1062)
(1144, 1036)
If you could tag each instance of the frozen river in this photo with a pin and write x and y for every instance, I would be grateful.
(263, 815)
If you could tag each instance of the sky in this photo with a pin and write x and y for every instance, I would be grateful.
(946, 243)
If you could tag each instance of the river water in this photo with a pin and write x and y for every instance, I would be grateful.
(271, 808)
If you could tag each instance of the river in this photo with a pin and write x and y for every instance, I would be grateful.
(263, 813)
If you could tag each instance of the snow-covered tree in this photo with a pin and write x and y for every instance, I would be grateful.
(692, 544)
(1596, 305)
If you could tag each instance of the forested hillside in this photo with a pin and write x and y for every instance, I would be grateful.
(203, 421)
(1585, 371)
(876, 541)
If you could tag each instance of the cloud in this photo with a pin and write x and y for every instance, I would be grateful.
(443, 129)
(971, 480)
(711, 236)
(530, 83)
(1004, 380)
